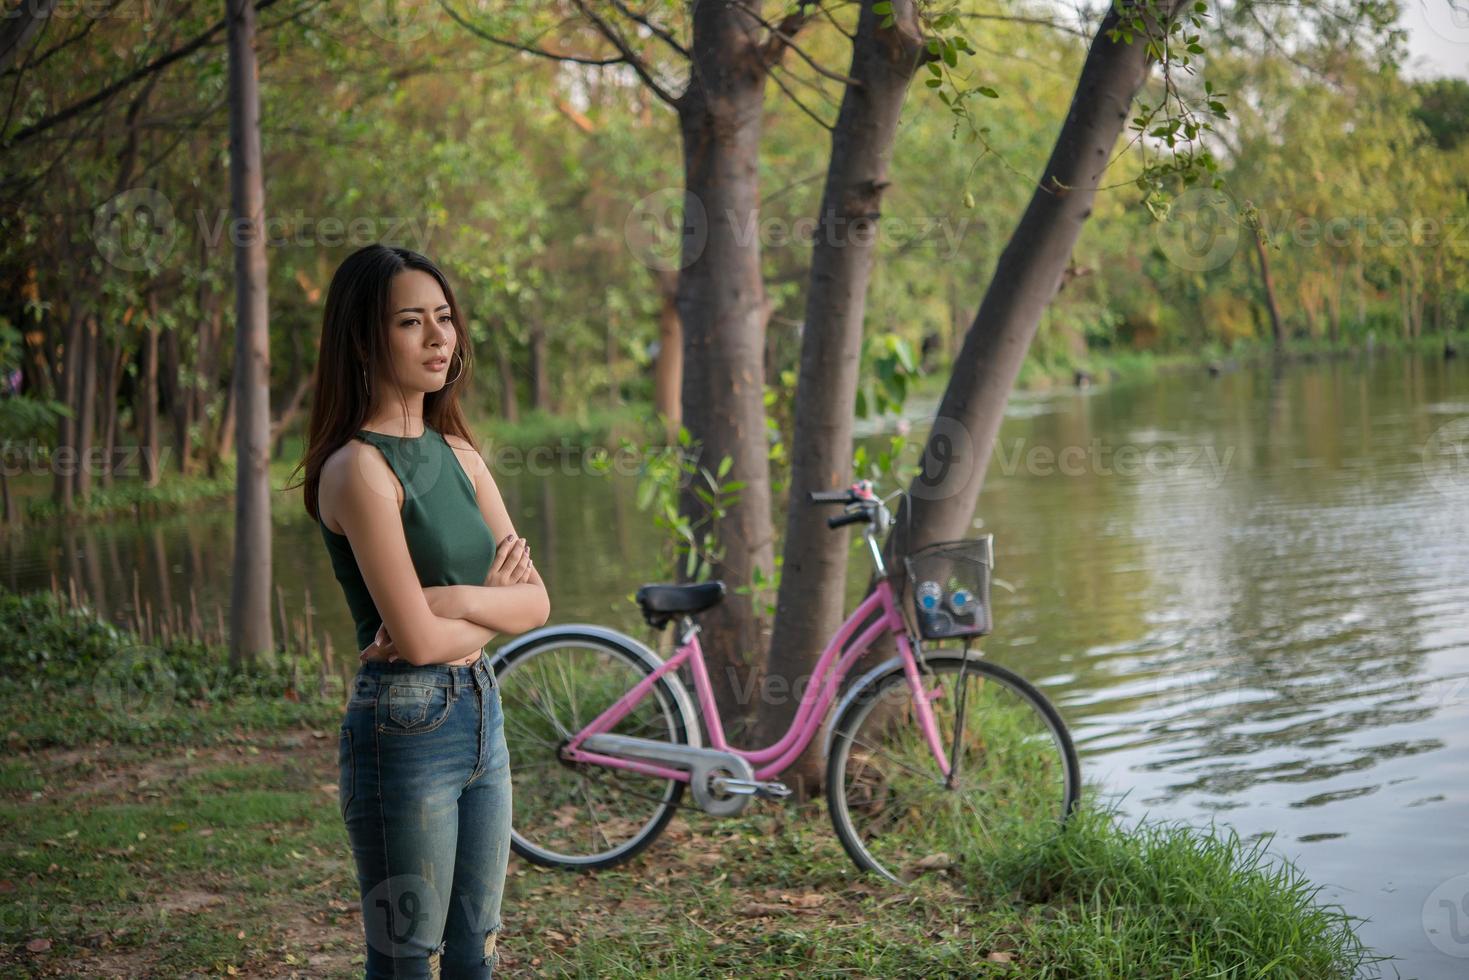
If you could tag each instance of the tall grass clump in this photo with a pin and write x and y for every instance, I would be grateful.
(1167, 899)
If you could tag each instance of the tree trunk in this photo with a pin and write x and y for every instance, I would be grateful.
(148, 435)
(721, 306)
(250, 619)
(509, 402)
(668, 371)
(1267, 288)
(540, 386)
(1334, 298)
(814, 570)
(942, 498)
(66, 426)
(226, 441)
(110, 364)
(86, 407)
(176, 396)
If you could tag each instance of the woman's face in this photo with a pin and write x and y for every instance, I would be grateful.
(420, 331)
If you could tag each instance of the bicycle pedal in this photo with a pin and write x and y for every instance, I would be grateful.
(749, 787)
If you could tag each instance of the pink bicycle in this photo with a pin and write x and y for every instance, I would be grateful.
(931, 756)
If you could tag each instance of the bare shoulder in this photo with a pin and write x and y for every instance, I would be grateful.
(474, 462)
(459, 442)
(353, 467)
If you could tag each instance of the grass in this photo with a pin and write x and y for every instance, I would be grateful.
(198, 834)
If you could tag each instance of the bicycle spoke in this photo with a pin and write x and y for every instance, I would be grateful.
(583, 814)
(896, 813)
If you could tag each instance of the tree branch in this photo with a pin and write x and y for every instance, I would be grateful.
(783, 35)
(97, 98)
(526, 48)
(663, 34)
(799, 104)
(628, 55)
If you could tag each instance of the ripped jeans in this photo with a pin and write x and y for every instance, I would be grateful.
(424, 789)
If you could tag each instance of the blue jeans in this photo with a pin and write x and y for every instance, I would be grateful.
(424, 789)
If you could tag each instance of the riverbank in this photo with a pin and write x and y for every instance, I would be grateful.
(1113, 367)
(604, 427)
(171, 818)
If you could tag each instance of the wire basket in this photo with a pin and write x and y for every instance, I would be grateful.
(949, 585)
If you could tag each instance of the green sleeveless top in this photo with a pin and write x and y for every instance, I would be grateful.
(447, 535)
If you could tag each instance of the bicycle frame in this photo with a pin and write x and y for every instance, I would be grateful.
(815, 699)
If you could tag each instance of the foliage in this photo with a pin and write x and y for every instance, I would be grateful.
(665, 471)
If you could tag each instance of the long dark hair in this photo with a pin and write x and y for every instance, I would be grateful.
(354, 339)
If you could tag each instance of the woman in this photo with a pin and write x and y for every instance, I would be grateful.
(432, 569)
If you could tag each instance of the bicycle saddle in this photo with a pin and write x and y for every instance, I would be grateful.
(660, 602)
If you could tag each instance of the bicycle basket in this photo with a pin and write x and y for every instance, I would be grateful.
(949, 584)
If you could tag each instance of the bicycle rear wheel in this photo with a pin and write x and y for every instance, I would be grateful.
(575, 815)
(1015, 769)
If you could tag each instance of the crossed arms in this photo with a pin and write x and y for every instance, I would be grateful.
(438, 624)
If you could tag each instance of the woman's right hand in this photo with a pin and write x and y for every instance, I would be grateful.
(512, 562)
(381, 648)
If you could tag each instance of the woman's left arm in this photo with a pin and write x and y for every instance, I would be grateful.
(505, 608)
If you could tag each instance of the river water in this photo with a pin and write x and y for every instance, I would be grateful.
(1247, 595)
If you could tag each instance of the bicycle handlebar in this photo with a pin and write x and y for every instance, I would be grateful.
(829, 496)
(856, 517)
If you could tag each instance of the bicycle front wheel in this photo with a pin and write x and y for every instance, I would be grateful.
(1014, 770)
(575, 815)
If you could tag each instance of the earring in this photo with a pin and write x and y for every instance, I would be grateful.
(366, 385)
(449, 381)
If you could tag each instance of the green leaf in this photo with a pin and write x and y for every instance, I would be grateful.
(987, 92)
